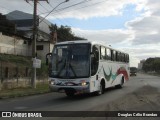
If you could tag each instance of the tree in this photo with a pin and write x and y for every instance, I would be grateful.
(156, 65)
(151, 64)
(53, 33)
(64, 33)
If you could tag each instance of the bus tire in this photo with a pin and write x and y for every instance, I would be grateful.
(69, 93)
(121, 84)
(100, 91)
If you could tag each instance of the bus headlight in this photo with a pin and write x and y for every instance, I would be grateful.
(83, 83)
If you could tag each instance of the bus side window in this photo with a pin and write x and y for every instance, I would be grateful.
(113, 55)
(117, 56)
(103, 53)
(108, 54)
(122, 57)
(127, 58)
(94, 60)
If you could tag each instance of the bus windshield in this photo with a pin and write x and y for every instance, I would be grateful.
(71, 61)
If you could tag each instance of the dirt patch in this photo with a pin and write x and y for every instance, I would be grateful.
(146, 98)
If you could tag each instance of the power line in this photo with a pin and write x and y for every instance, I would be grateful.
(9, 10)
(42, 18)
(53, 10)
(74, 5)
(33, 6)
(50, 5)
(40, 12)
(43, 6)
(5, 8)
(84, 1)
(59, 10)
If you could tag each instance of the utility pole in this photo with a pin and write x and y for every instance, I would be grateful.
(35, 30)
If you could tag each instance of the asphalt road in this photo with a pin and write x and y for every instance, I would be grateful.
(90, 102)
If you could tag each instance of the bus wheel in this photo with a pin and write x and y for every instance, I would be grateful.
(69, 93)
(100, 91)
(121, 84)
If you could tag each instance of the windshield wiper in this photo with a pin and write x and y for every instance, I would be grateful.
(62, 68)
(72, 70)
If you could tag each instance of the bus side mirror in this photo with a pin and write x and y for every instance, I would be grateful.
(47, 61)
(92, 55)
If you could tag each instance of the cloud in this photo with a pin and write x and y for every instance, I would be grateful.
(141, 38)
(80, 9)
(94, 8)
(147, 27)
(7, 6)
(105, 36)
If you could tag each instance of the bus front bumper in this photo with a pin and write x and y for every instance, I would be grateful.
(76, 89)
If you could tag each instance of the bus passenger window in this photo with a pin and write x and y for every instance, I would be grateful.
(94, 60)
(108, 54)
(103, 53)
(117, 56)
(127, 58)
(113, 55)
(122, 57)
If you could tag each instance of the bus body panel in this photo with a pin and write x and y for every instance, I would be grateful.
(112, 72)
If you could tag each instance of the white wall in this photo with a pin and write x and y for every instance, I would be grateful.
(14, 45)
(47, 48)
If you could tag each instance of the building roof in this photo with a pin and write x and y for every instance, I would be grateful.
(19, 17)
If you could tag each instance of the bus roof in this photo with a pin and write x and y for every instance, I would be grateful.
(91, 42)
(73, 42)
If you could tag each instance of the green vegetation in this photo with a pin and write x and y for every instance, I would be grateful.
(152, 65)
(16, 73)
(19, 92)
(64, 33)
(21, 62)
(42, 72)
(25, 61)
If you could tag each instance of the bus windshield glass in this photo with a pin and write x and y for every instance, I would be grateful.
(71, 61)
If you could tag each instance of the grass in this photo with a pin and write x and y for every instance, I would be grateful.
(24, 61)
(19, 92)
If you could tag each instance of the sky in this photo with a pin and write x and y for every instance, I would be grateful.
(132, 26)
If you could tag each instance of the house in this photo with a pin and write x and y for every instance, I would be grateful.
(24, 26)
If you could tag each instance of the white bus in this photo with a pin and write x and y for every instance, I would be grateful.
(84, 67)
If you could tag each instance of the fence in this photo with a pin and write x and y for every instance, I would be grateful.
(16, 75)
